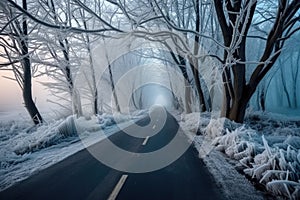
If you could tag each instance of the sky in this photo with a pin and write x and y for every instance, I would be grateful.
(11, 94)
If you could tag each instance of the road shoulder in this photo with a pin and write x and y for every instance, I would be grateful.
(233, 185)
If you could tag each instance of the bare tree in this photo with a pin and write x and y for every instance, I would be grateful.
(186, 26)
(18, 55)
(235, 18)
(179, 26)
(289, 77)
(59, 46)
(94, 89)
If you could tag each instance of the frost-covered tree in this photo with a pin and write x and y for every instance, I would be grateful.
(235, 19)
(189, 30)
(14, 40)
(183, 27)
(64, 40)
(56, 54)
(88, 45)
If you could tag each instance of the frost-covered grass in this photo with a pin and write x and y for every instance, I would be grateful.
(266, 148)
(25, 150)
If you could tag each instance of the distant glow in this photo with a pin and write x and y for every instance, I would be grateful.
(161, 100)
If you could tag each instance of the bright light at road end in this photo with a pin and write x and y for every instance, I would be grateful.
(161, 100)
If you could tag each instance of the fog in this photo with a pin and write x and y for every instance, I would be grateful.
(11, 94)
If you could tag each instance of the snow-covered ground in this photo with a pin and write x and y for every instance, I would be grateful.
(265, 149)
(25, 150)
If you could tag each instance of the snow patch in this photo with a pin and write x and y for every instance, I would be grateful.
(25, 151)
(267, 148)
(224, 173)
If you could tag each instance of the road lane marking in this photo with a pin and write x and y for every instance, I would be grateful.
(146, 140)
(154, 126)
(118, 187)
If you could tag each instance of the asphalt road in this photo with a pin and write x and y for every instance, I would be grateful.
(82, 176)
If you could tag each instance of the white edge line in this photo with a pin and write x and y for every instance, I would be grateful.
(118, 187)
(146, 140)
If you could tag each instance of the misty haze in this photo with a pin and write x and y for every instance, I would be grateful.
(148, 99)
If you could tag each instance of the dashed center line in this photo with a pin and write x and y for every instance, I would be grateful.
(146, 140)
(118, 187)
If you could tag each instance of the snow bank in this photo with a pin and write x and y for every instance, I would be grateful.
(267, 148)
(25, 150)
(275, 166)
(224, 173)
(192, 122)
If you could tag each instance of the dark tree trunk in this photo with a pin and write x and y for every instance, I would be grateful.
(283, 81)
(113, 88)
(262, 100)
(96, 102)
(187, 97)
(95, 90)
(27, 92)
(203, 107)
(27, 87)
(236, 95)
(181, 62)
(226, 78)
(194, 62)
(238, 110)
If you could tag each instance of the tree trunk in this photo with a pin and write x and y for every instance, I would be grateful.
(95, 90)
(226, 94)
(238, 110)
(236, 93)
(262, 100)
(27, 87)
(66, 70)
(113, 89)
(27, 93)
(76, 103)
(187, 99)
(296, 81)
(194, 66)
(96, 102)
(238, 106)
(194, 62)
(182, 64)
(285, 86)
(203, 106)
